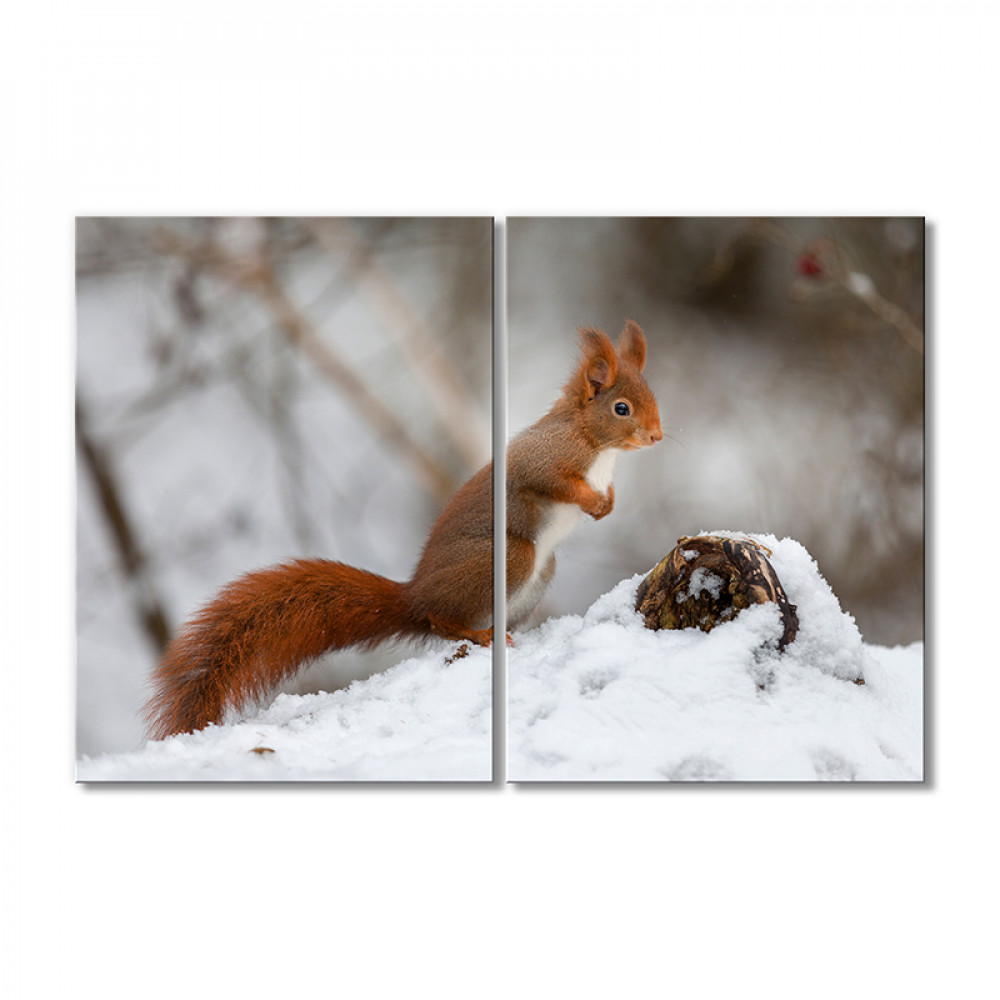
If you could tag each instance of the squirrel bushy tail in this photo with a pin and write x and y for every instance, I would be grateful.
(262, 628)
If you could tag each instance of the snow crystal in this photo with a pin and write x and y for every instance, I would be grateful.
(704, 580)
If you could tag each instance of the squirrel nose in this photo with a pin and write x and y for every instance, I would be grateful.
(655, 435)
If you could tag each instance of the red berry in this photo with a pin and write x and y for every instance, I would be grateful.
(809, 264)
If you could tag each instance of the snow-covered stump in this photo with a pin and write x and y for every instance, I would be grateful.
(709, 579)
(600, 697)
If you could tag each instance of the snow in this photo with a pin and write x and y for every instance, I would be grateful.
(602, 698)
(702, 580)
(423, 720)
(596, 697)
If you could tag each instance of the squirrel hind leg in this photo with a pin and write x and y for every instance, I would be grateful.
(452, 597)
(452, 630)
(526, 581)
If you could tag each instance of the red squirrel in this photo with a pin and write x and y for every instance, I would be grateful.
(265, 626)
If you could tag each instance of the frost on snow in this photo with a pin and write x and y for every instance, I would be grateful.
(602, 698)
(597, 698)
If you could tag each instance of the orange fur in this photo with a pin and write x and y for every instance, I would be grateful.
(262, 628)
(551, 463)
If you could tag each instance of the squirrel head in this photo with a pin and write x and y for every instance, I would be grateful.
(615, 406)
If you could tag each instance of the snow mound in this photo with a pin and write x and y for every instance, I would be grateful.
(422, 720)
(601, 698)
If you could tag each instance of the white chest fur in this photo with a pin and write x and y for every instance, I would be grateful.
(601, 472)
(564, 517)
(558, 522)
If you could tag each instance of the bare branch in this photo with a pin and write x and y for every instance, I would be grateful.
(446, 391)
(256, 275)
(135, 567)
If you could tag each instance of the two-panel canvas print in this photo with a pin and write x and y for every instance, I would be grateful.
(682, 540)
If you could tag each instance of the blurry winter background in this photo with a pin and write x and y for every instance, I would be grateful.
(787, 360)
(252, 390)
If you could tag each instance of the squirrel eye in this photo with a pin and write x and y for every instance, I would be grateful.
(622, 409)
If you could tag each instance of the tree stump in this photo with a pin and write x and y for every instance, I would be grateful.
(708, 579)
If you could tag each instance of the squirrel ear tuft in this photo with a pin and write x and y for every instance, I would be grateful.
(600, 364)
(632, 344)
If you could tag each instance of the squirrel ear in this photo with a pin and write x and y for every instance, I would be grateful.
(632, 344)
(600, 365)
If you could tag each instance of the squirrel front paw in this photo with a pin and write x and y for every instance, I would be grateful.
(603, 504)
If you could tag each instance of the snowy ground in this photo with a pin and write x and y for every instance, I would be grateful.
(601, 698)
(596, 698)
(422, 720)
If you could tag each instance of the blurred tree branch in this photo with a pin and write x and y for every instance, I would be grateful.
(445, 389)
(148, 604)
(255, 273)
